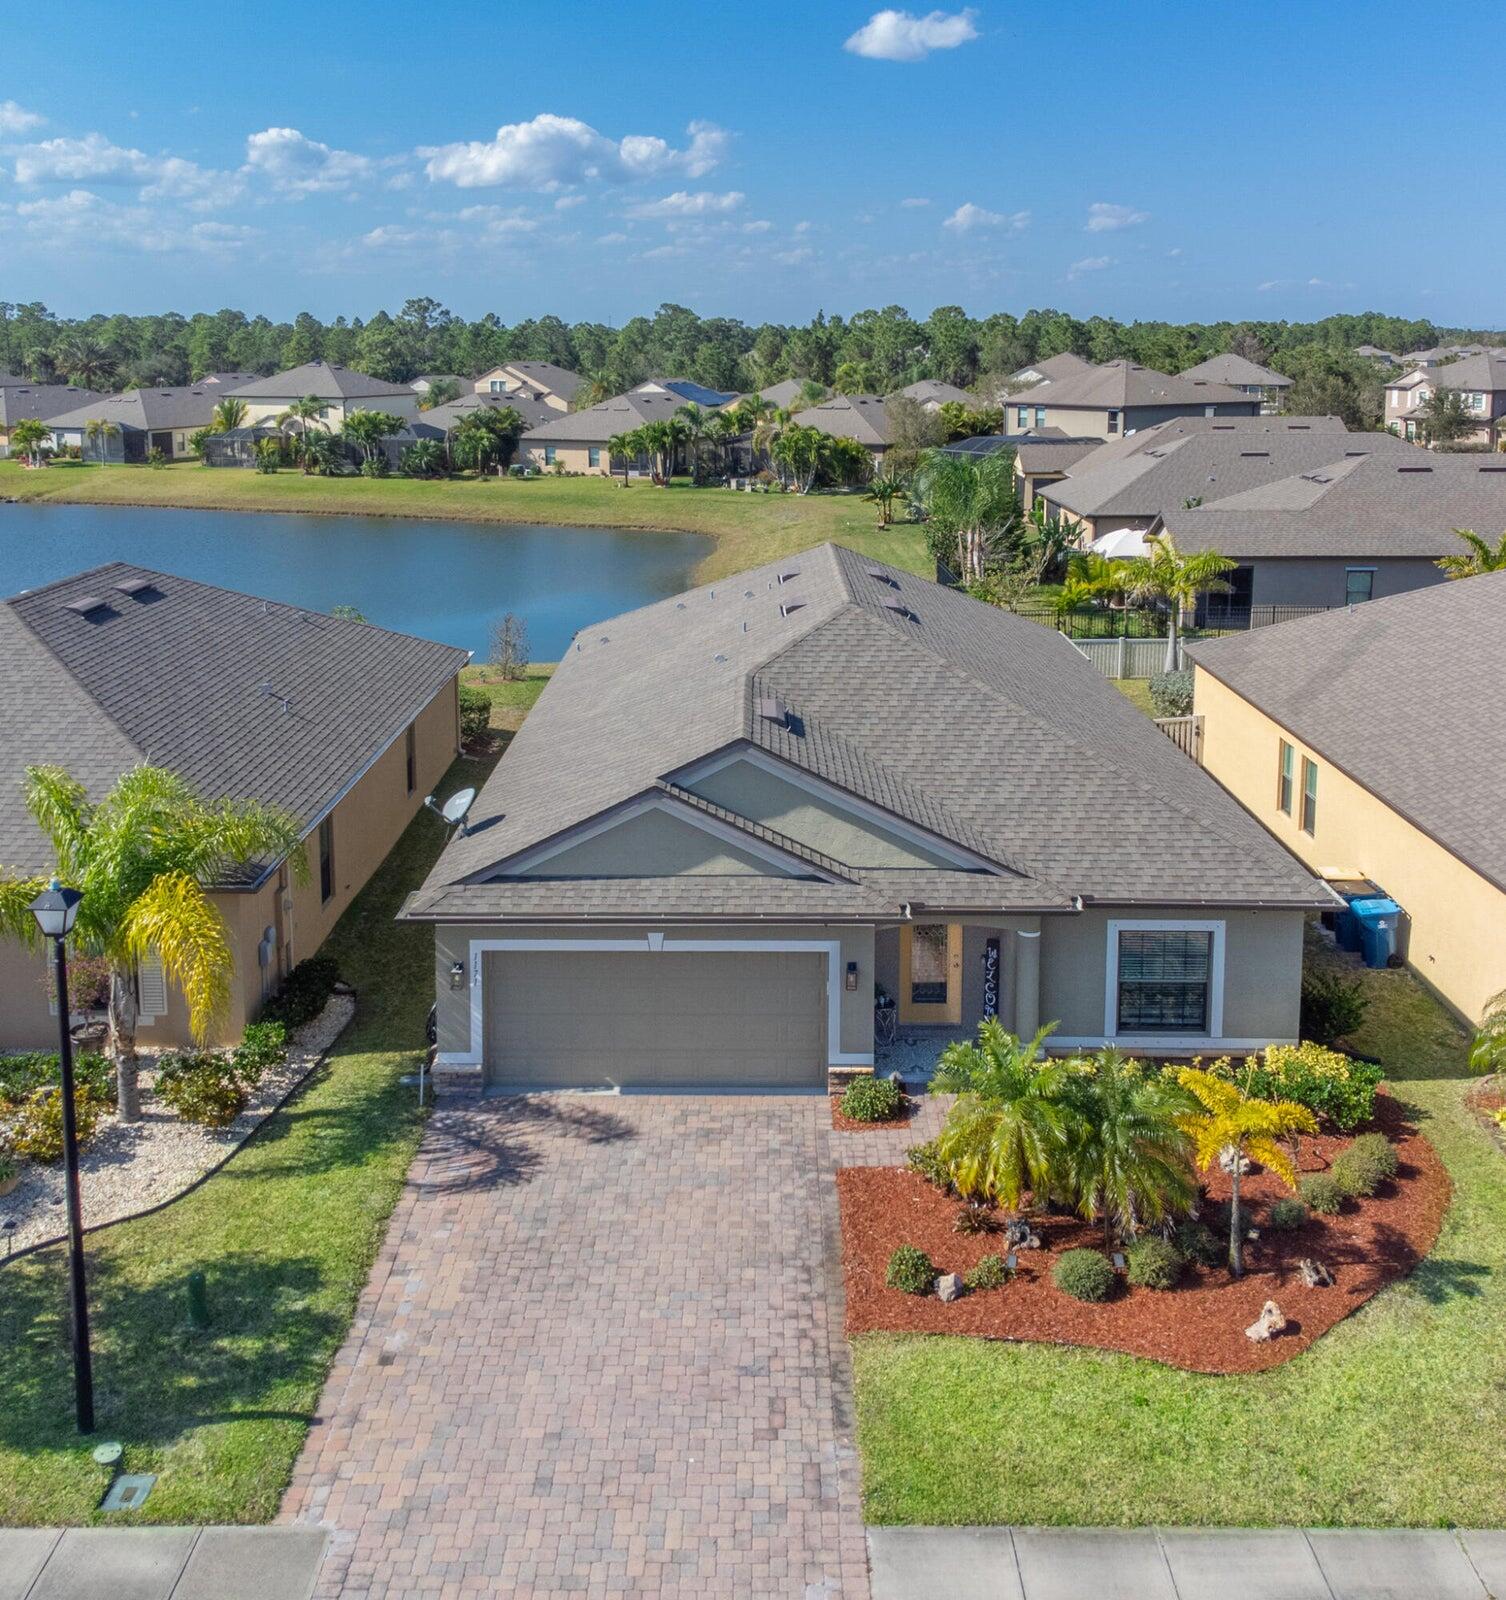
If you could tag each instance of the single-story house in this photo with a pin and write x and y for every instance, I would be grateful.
(736, 816)
(238, 447)
(558, 386)
(1249, 377)
(785, 393)
(343, 390)
(343, 724)
(534, 411)
(932, 394)
(146, 420)
(1348, 530)
(1371, 743)
(577, 440)
(688, 392)
(863, 417)
(21, 399)
(1373, 352)
(1120, 397)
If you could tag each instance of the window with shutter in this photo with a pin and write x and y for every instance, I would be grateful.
(151, 990)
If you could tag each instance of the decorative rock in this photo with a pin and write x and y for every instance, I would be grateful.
(1314, 1274)
(1018, 1233)
(1268, 1324)
(898, 1079)
(949, 1286)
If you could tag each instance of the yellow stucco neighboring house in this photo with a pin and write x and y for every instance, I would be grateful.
(1372, 744)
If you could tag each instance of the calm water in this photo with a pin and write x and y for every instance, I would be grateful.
(444, 580)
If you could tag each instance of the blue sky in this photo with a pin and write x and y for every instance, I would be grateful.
(1185, 161)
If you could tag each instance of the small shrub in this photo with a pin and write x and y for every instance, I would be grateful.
(1333, 1086)
(975, 1217)
(990, 1273)
(20, 1075)
(1287, 1215)
(872, 1100)
(1321, 1193)
(1171, 694)
(1196, 1241)
(263, 1045)
(1085, 1275)
(304, 993)
(1154, 1264)
(375, 467)
(475, 713)
(36, 1130)
(1365, 1165)
(202, 1088)
(1333, 1006)
(926, 1160)
(8, 1167)
(155, 458)
(910, 1271)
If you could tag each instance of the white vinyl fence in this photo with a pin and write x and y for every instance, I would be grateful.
(1128, 658)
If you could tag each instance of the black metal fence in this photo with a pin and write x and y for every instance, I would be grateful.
(1115, 622)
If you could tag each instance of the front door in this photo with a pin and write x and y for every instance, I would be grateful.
(930, 972)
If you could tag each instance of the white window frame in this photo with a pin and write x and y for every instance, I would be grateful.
(1168, 1041)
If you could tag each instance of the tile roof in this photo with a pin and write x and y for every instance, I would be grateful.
(1121, 384)
(1232, 369)
(243, 697)
(1078, 795)
(323, 380)
(1403, 694)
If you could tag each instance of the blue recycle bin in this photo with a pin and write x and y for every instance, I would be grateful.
(1346, 927)
(1377, 919)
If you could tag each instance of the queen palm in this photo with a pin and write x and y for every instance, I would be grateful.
(229, 414)
(624, 447)
(99, 431)
(724, 427)
(695, 426)
(29, 436)
(1177, 580)
(145, 857)
(1006, 1132)
(367, 429)
(299, 416)
(970, 502)
(1480, 556)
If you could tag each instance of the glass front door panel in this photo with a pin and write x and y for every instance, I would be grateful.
(928, 964)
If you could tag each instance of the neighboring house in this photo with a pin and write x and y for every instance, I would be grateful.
(1121, 397)
(1373, 352)
(1371, 744)
(1065, 365)
(1130, 482)
(1356, 528)
(733, 815)
(20, 399)
(1040, 458)
(863, 417)
(785, 394)
(343, 724)
(1481, 379)
(425, 381)
(577, 440)
(223, 380)
(933, 394)
(147, 420)
(533, 410)
(343, 390)
(557, 386)
(686, 391)
(1248, 377)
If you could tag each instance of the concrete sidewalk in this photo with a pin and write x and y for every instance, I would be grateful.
(159, 1563)
(1185, 1564)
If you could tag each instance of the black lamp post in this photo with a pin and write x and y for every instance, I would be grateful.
(55, 909)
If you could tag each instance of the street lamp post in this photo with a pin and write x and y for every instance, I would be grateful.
(55, 910)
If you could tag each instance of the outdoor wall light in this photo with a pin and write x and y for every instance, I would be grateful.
(850, 980)
(457, 975)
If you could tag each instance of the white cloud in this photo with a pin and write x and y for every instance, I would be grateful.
(795, 258)
(760, 226)
(681, 203)
(913, 202)
(612, 238)
(296, 164)
(1106, 218)
(1268, 285)
(17, 119)
(566, 201)
(902, 36)
(1089, 264)
(968, 216)
(94, 159)
(550, 151)
(81, 220)
(803, 227)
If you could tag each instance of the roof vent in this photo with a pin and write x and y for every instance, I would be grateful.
(135, 586)
(1493, 469)
(679, 605)
(1414, 469)
(900, 609)
(772, 709)
(794, 572)
(82, 605)
(883, 577)
(791, 606)
(1262, 455)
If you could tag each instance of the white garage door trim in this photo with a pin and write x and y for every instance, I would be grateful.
(831, 948)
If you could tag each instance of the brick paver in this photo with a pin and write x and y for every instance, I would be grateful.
(600, 1354)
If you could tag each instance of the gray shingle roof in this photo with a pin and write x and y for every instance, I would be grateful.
(557, 380)
(323, 380)
(1387, 503)
(1479, 373)
(931, 391)
(785, 393)
(1077, 792)
(1403, 694)
(177, 675)
(42, 400)
(863, 417)
(533, 412)
(144, 409)
(1232, 369)
(1121, 384)
(1065, 365)
(596, 424)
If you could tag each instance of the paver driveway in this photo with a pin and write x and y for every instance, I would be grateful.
(600, 1354)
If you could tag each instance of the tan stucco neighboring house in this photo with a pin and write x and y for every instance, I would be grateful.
(1065, 365)
(555, 386)
(1371, 744)
(736, 814)
(1248, 377)
(1480, 379)
(342, 724)
(863, 417)
(577, 441)
(21, 399)
(343, 389)
(1118, 398)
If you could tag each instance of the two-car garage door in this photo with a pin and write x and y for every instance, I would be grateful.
(655, 1019)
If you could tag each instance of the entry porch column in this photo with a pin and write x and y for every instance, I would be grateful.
(1027, 978)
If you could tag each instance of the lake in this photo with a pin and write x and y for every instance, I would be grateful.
(443, 580)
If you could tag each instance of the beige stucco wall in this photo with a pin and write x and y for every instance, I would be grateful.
(1455, 926)
(260, 411)
(572, 457)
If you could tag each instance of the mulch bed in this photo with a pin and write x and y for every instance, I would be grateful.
(1485, 1099)
(1198, 1326)
(842, 1124)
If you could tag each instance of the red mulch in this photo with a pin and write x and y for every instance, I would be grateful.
(1485, 1100)
(842, 1124)
(1198, 1326)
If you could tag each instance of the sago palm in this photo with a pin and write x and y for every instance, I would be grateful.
(145, 856)
(1128, 1159)
(1481, 556)
(1165, 574)
(1006, 1132)
(1232, 1121)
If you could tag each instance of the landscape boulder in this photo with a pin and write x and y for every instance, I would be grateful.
(1268, 1324)
(949, 1286)
(1314, 1274)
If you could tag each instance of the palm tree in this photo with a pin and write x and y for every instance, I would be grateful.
(1481, 556)
(1128, 1159)
(1233, 1125)
(626, 448)
(884, 489)
(694, 430)
(1006, 1132)
(300, 414)
(725, 426)
(595, 388)
(145, 857)
(801, 453)
(439, 393)
(367, 430)
(1166, 575)
(322, 454)
(229, 414)
(1488, 1052)
(972, 502)
(99, 431)
(424, 458)
(29, 436)
(661, 438)
(85, 359)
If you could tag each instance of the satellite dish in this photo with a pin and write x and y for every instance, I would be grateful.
(453, 812)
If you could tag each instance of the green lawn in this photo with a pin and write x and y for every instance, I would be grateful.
(286, 1235)
(1137, 692)
(512, 698)
(749, 528)
(1393, 1419)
